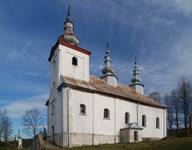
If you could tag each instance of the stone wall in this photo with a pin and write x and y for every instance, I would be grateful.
(40, 144)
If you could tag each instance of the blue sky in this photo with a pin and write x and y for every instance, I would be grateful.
(157, 32)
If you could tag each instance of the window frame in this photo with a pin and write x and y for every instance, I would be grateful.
(144, 121)
(82, 106)
(106, 116)
(157, 120)
(127, 117)
(74, 61)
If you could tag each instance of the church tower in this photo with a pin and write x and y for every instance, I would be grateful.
(66, 57)
(136, 82)
(108, 71)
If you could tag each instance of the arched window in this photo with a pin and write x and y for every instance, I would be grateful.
(83, 109)
(74, 61)
(127, 117)
(157, 123)
(106, 113)
(144, 121)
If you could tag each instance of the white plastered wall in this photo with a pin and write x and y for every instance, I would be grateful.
(81, 71)
(93, 122)
(150, 131)
(61, 64)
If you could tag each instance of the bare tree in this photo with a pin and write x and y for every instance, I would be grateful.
(32, 120)
(170, 117)
(156, 96)
(1, 124)
(185, 94)
(190, 118)
(175, 100)
(5, 126)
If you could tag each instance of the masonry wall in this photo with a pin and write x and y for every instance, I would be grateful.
(55, 107)
(92, 128)
(56, 117)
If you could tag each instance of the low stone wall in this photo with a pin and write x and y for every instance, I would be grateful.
(40, 144)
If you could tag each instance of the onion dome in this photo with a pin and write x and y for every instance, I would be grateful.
(69, 35)
(135, 78)
(107, 69)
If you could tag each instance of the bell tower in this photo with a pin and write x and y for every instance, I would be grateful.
(66, 57)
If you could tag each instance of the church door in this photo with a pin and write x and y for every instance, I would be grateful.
(135, 135)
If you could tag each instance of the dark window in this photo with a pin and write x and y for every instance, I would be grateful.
(144, 121)
(52, 109)
(127, 119)
(106, 113)
(53, 133)
(82, 109)
(157, 123)
(135, 136)
(74, 61)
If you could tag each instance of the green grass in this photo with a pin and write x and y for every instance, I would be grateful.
(167, 144)
(171, 143)
(13, 145)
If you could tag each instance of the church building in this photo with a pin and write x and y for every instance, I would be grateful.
(84, 109)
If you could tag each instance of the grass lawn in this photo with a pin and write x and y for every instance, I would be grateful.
(170, 143)
(27, 143)
(167, 144)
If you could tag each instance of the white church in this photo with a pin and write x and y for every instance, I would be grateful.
(87, 110)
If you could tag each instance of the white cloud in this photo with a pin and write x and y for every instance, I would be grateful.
(17, 108)
(184, 5)
(180, 55)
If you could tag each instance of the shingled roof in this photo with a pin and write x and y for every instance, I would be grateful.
(97, 85)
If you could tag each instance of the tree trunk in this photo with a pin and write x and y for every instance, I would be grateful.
(177, 122)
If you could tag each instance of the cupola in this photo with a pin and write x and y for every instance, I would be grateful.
(108, 71)
(136, 81)
(69, 35)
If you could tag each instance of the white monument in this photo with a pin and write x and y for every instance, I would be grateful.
(20, 140)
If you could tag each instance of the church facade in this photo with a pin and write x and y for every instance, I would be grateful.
(87, 110)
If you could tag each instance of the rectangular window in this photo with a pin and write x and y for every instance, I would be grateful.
(52, 109)
(83, 109)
